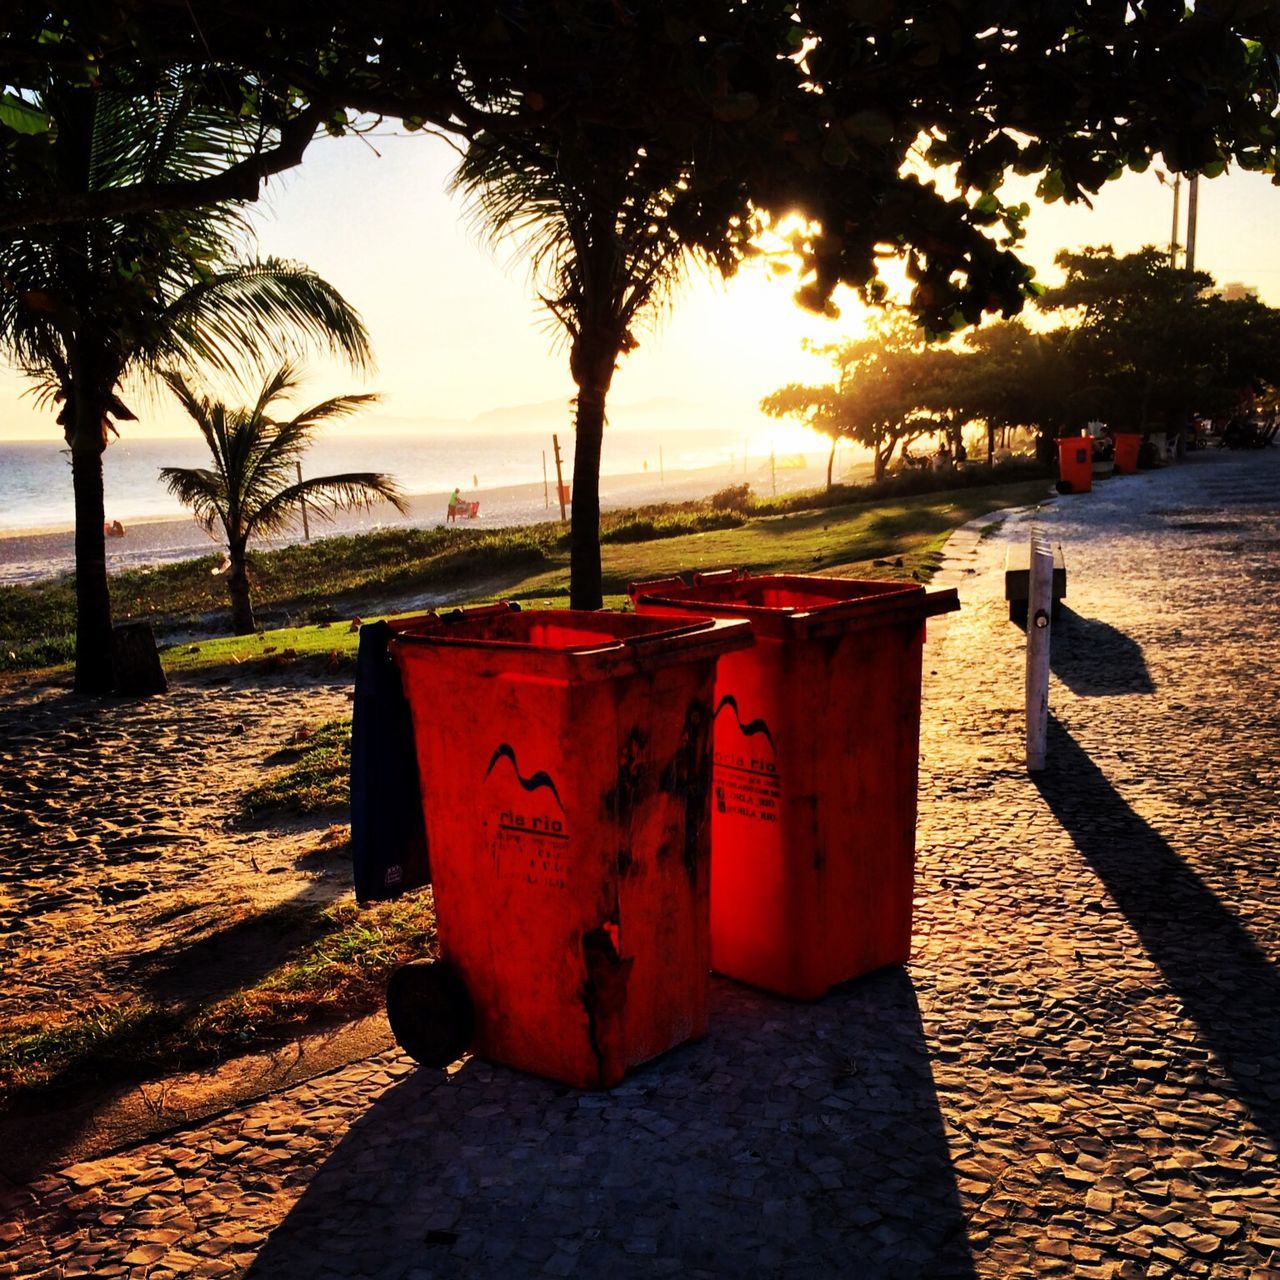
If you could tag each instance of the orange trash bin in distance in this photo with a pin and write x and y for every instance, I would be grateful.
(817, 731)
(1075, 464)
(565, 759)
(1127, 445)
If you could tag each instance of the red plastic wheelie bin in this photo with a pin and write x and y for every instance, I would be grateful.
(565, 759)
(817, 731)
(1075, 464)
(1127, 445)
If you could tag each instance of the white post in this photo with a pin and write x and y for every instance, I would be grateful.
(1039, 610)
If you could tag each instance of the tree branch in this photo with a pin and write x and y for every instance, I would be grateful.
(240, 181)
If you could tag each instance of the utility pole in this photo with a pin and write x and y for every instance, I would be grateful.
(773, 470)
(1173, 237)
(1193, 209)
(1193, 212)
(555, 445)
(306, 532)
(546, 496)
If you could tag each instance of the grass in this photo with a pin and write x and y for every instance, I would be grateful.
(317, 778)
(292, 585)
(312, 591)
(339, 974)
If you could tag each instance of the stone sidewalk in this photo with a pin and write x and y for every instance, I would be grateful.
(1078, 1075)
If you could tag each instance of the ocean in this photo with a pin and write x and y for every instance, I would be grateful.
(35, 477)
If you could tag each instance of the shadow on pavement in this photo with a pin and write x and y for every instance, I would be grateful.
(1224, 981)
(1094, 660)
(796, 1140)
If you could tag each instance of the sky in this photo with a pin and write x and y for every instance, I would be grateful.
(457, 331)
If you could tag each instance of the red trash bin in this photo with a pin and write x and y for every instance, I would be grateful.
(1127, 445)
(566, 764)
(1075, 464)
(817, 731)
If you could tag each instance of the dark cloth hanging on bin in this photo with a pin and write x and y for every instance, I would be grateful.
(388, 839)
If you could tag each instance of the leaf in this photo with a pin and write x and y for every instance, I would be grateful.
(735, 107)
(835, 152)
(872, 126)
(1051, 187)
(21, 116)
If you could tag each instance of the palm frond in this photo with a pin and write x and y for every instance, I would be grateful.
(251, 487)
(327, 495)
(278, 382)
(603, 245)
(202, 490)
(263, 310)
(336, 407)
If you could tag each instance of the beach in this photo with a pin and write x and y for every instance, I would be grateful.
(33, 555)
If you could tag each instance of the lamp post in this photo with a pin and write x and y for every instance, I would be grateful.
(1193, 208)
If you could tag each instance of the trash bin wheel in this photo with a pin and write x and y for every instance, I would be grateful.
(430, 1012)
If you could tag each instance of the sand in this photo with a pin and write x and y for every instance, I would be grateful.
(125, 871)
(36, 554)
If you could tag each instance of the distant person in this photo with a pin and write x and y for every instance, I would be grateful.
(962, 454)
(455, 499)
(475, 482)
(942, 459)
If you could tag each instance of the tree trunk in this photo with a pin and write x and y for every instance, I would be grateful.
(991, 445)
(593, 360)
(585, 579)
(242, 622)
(93, 598)
(831, 461)
(882, 455)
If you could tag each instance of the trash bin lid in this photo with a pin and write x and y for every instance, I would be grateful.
(575, 644)
(809, 605)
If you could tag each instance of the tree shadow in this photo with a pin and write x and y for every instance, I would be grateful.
(1094, 659)
(40, 1122)
(796, 1140)
(229, 958)
(1223, 979)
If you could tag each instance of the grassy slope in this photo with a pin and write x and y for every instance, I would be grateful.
(340, 577)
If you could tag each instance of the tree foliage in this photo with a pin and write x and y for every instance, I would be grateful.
(772, 106)
(1148, 344)
(85, 304)
(726, 116)
(878, 399)
(251, 489)
(1139, 346)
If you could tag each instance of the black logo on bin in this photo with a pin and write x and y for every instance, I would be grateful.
(751, 728)
(534, 782)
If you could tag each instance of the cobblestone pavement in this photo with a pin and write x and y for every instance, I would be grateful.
(1078, 1075)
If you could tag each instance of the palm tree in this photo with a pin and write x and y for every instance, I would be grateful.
(84, 305)
(251, 488)
(601, 220)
